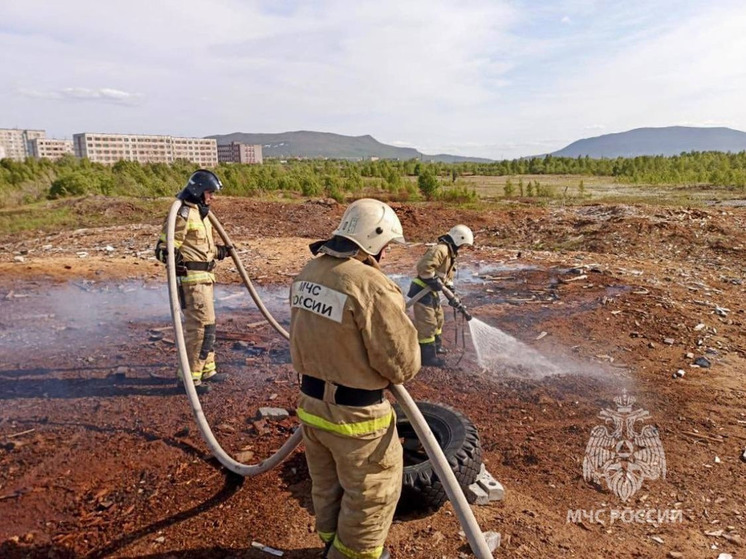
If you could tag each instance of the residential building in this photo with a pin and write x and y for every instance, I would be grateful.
(110, 148)
(236, 152)
(50, 148)
(15, 142)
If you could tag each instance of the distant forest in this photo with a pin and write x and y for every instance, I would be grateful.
(34, 180)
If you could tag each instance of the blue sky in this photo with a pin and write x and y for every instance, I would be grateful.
(487, 78)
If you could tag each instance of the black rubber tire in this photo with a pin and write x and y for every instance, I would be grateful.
(457, 436)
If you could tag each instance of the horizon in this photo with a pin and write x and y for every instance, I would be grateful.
(498, 80)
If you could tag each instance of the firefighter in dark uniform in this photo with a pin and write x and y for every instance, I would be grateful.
(196, 253)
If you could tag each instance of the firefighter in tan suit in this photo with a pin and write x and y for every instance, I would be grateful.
(196, 252)
(434, 270)
(350, 337)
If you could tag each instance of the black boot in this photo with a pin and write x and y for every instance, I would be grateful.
(429, 356)
(439, 349)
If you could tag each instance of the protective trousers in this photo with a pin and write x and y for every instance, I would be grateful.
(428, 319)
(199, 327)
(356, 486)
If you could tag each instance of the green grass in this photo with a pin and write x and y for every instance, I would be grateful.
(566, 189)
(74, 213)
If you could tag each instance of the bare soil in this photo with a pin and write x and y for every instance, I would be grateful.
(100, 456)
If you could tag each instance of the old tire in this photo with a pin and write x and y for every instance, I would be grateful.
(458, 438)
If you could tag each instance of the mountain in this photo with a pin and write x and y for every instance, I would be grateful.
(670, 140)
(304, 143)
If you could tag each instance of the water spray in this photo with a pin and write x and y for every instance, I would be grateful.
(434, 452)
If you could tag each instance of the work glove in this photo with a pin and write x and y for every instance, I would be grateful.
(455, 303)
(460, 307)
(161, 253)
(223, 251)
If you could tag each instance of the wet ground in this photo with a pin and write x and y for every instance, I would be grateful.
(100, 456)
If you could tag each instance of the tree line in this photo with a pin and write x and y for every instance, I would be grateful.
(28, 181)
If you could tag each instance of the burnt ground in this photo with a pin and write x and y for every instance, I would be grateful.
(100, 456)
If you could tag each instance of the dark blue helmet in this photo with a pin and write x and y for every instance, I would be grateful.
(200, 182)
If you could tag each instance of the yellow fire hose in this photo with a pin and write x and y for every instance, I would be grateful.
(430, 444)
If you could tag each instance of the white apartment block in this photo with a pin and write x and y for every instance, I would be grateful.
(50, 148)
(236, 152)
(15, 142)
(110, 148)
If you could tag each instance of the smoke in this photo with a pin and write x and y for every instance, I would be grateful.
(90, 315)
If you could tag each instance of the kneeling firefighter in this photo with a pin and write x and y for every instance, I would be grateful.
(350, 337)
(435, 270)
(196, 253)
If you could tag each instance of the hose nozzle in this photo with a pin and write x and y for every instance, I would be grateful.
(456, 303)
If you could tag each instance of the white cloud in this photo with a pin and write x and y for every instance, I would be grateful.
(104, 94)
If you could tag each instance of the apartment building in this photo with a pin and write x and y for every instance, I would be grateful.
(50, 148)
(110, 148)
(236, 152)
(15, 142)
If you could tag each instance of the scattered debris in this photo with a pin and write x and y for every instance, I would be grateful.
(540, 336)
(657, 539)
(702, 362)
(679, 374)
(26, 432)
(244, 456)
(492, 539)
(273, 413)
(19, 259)
(266, 549)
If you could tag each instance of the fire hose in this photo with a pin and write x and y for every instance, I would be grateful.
(425, 434)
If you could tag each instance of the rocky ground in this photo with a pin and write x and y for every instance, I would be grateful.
(100, 456)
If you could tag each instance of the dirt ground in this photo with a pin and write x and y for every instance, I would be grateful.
(100, 455)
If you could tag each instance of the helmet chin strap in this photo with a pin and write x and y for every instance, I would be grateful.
(204, 209)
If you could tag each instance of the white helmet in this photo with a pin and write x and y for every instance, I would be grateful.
(461, 235)
(371, 225)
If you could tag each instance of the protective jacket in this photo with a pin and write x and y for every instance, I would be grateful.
(348, 324)
(193, 238)
(439, 262)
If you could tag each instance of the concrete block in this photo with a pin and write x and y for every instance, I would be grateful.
(475, 494)
(492, 539)
(273, 413)
(494, 489)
